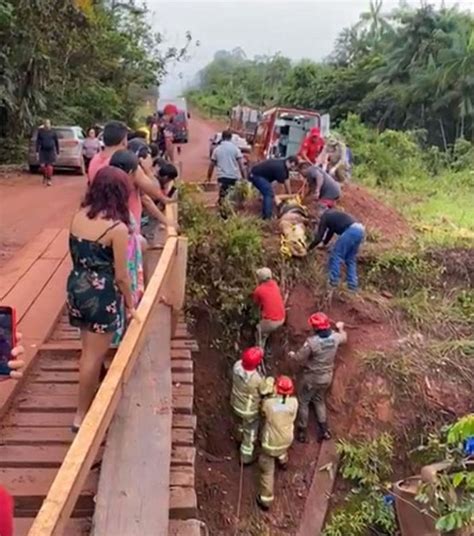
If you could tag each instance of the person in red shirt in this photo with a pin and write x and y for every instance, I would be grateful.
(312, 146)
(268, 297)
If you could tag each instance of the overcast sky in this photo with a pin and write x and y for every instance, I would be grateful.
(297, 29)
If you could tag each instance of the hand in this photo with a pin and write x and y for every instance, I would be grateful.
(292, 354)
(16, 364)
(332, 171)
(339, 326)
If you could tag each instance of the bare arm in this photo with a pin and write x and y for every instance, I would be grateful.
(210, 171)
(120, 247)
(243, 171)
(288, 186)
(148, 186)
(153, 210)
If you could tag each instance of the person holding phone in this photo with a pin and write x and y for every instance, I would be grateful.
(99, 279)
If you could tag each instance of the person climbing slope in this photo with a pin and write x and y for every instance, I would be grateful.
(351, 235)
(279, 411)
(318, 355)
(248, 386)
(267, 296)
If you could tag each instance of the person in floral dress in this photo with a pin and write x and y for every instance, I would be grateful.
(99, 281)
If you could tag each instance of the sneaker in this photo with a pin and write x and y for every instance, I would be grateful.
(262, 505)
(49, 183)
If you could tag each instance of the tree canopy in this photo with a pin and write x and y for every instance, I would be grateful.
(80, 62)
(409, 69)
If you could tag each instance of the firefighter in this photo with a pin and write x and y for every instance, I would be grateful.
(279, 411)
(248, 387)
(318, 355)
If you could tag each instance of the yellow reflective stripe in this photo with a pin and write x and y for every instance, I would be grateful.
(245, 413)
(246, 450)
(268, 498)
(269, 447)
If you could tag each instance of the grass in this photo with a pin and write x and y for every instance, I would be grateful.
(439, 208)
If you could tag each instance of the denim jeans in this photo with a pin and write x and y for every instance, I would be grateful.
(345, 251)
(266, 189)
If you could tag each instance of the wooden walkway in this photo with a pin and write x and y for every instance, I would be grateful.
(37, 412)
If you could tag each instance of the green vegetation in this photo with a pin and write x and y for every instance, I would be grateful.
(451, 496)
(366, 465)
(77, 62)
(410, 69)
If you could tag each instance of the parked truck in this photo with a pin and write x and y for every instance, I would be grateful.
(280, 131)
(180, 119)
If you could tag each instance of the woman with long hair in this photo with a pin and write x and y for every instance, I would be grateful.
(99, 281)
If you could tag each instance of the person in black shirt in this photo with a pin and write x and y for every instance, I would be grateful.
(351, 234)
(265, 173)
(47, 147)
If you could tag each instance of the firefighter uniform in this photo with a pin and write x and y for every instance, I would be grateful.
(318, 355)
(248, 387)
(277, 436)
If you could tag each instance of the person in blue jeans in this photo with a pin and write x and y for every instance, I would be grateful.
(351, 235)
(265, 173)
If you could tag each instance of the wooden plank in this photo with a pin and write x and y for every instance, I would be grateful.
(55, 377)
(32, 283)
(183, 503)
(184, 421)
(32, 456)
(49, 403)
(181, 353)
(187, 344)
(58, 246)
(183, 389)
(36, 326)
(182, 476)
(44, 435)
(182, 437)
(13, 271)
(317, 501)
(28, 483)
(61, 345)
(182, 377)
(74, 527)
(185, 527)
(66, 487)
(183, 455)
(51, 389)
(53, 420)
(138, 444)
(181, 365)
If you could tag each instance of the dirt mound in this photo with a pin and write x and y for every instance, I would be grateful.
(457, 263)
(382, 221)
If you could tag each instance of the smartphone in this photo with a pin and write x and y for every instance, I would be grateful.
(172, 191)
(7, 337)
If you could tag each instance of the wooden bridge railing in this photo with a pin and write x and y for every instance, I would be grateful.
(168, 282)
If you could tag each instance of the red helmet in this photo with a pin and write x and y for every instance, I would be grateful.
(319, 321)
(284, 385)
(251, 358)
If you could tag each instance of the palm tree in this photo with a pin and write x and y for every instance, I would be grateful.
(373, 24)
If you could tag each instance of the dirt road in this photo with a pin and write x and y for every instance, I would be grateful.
(27, 207)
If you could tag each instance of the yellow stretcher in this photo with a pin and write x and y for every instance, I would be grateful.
(292, 220)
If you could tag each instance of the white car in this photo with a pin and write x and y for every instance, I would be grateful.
(241, 143)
